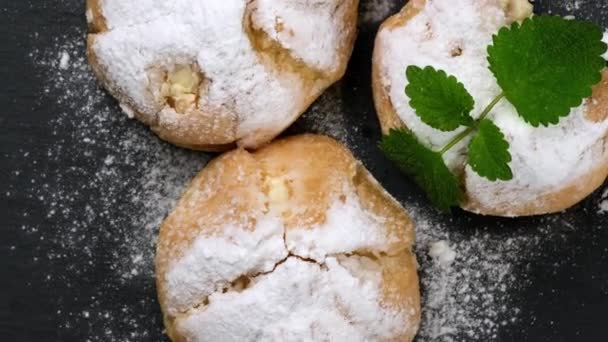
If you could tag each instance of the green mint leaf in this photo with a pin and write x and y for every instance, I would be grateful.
(426, 167)
(489, 153)
(438, 99)
(547, 65)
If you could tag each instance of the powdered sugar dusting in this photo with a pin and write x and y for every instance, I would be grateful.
(348, 228)
(105, 221)
(327, 116)
(213, 262)
(315, 44)
(298, 301)
(468, 280)
(603, 206)
(374, 11)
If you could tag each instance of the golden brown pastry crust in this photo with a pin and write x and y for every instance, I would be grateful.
(556, 201)
(384, 107)
(97, 23)
(208, 131)
(318, 169)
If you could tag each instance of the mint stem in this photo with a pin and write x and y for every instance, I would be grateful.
(471, 129)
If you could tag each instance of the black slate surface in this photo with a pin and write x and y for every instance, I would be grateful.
(564, 298)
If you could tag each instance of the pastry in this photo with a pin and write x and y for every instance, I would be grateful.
(208, 75)
(553, 167)
(293, 242)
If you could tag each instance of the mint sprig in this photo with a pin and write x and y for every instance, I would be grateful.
(546, 66)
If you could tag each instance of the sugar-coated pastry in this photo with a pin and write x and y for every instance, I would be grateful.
(211, 74)
(553, 167)
(293, 242)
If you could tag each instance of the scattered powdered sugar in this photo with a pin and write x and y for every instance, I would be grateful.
(442, 253)
(472, 280)
(64, 61)
(581, 9)
(375, 11)
(468, 279)
(603, 206)
(156, 171)
(572, 5)
(105, 222)
(109, 216)
(328, 116)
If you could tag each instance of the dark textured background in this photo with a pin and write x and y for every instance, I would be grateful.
(566, 297)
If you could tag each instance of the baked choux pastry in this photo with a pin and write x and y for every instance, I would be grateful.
(208, 75)
(293, 242)
(553, 167)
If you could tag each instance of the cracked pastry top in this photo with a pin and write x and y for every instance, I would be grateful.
(211, 74)
(294, 242)
(553, 167)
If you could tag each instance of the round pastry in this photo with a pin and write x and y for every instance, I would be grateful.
(294, 242)
(553, 167)
(211, 74)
